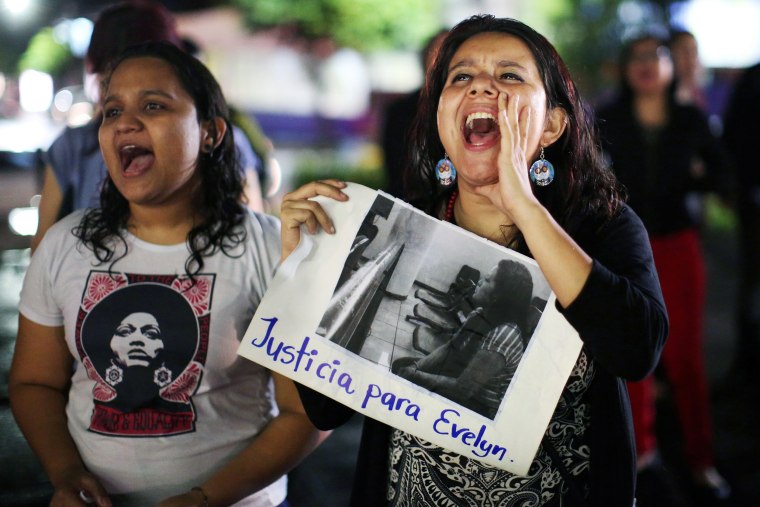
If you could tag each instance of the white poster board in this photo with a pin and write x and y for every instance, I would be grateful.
(350, 315)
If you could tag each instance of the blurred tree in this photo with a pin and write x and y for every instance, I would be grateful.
(360, 24)
(588, 34)
(44, 53)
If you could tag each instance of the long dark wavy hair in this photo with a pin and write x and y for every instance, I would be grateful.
(511, 305)
(101, 229)
(582, 183)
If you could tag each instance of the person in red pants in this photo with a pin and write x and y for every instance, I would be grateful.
(663, 152)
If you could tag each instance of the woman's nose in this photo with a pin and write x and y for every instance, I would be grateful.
(482, 83)
(127, 122)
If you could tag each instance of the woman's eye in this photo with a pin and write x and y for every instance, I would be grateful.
(460, 77)
(152, 333)
(153, 106)
(110, 112)
(511, 76)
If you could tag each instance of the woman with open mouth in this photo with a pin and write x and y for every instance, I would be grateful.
(500, 107)
(125, 378)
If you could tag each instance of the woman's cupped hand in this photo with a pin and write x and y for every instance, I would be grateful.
(512, 193)
(298, 208)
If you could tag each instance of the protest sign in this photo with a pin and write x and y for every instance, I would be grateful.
(422, 325)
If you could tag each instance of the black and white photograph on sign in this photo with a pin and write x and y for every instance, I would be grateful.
(447, 315)
(420, 325)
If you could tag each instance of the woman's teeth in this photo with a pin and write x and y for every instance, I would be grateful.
(481, 115)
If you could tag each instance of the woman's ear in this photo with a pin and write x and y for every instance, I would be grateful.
(556, 122)
(212, 133)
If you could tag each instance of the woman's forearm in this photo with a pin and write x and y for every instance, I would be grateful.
(40, 412)
(283, 443)
(562, 261)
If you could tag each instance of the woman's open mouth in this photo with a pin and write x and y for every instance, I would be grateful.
(135, 160)
(481, 130)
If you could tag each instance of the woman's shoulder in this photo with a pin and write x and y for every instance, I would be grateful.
(262, 236)
(599, 230)
(261, 223)
(59, 244)
(62, 229)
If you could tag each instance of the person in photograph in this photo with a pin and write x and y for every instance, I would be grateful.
(475, 367)
(137, 341)
(125, 378)
(497, 100)
(136, 338)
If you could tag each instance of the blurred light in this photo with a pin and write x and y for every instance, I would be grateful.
(35, 91)
(630, 13)
(71, 106)
(17, 7)
(2, 84)
(80, 114)
(63, 100)
(395, 72)
(28, 132)
(728, 33)
(61, 32)
(23, 221)
(275, 175)
(80, 30)
(74, 33)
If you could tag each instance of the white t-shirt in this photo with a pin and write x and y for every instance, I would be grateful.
(159, 397)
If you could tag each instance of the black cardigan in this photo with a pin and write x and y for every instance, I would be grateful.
(658, 174)
(621, 319)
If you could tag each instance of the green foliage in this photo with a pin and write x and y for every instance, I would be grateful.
(588, 34)
(44, 53)
(585, 32)
(360, 24)
(718, 215)
(322, 164)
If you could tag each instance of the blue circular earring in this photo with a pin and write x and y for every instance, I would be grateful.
(445, 171)
(542, 171)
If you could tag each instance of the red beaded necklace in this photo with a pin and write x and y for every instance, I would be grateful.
(449, 216)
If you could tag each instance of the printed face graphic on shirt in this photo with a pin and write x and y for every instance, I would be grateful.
(137, 340)
(143, 340)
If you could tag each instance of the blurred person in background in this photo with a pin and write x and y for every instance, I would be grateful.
(397, 119)
(266, 175)
(707, 89)
(74, 166)
(662, 151)
(689, 80)
(740, 135)
(688, 72)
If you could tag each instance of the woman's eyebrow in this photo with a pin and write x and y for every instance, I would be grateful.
(503, 63)
(143, 94)
(461, 63)
(511, 63)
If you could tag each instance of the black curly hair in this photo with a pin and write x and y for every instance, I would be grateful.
(222, 208)
(582, 183)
